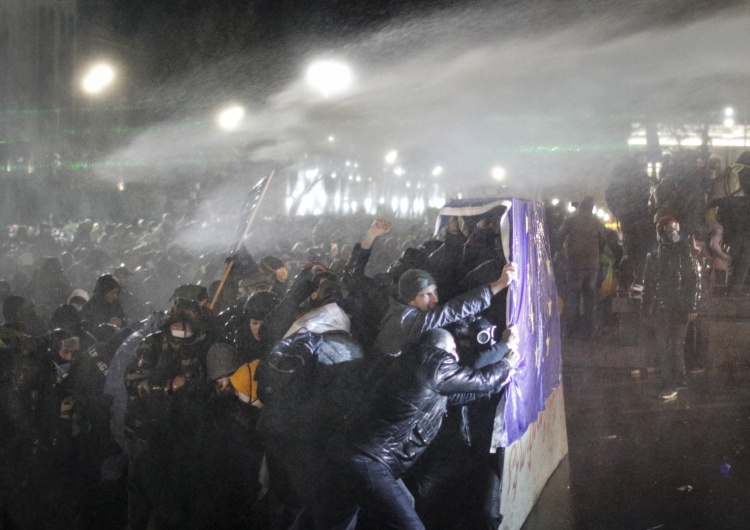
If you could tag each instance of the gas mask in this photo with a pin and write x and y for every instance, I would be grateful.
(482, 333)
(672, 236)
(669, 232)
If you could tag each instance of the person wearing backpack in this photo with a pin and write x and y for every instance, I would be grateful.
(307, 384)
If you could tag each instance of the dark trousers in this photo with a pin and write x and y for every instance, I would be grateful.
(740, 263)
(669, 335)
(580, 288)
(360, 483)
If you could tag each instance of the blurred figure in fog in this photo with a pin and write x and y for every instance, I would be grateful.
(131, 304)
(583, 237)
(19, 310)
(50, 286)
(104, 307)
(628, 196)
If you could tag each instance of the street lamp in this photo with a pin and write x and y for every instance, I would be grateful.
(98, 78)
(498, 173)
(230, 118)
(391, 156)
(329, 77)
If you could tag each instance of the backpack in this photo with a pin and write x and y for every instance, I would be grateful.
(286, 378)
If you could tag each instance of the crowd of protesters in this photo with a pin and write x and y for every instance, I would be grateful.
(302, 381)
(685, 238)
(293, 384)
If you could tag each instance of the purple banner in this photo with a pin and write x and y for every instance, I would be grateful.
(532, 306)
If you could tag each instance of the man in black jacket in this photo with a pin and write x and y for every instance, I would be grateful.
(671, 294)
(417, 309)
(395, 428)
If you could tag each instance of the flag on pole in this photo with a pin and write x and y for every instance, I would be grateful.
(250, 204)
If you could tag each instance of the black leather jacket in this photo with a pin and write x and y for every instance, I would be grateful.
(671, 282)
(408, 405)
(404, 323)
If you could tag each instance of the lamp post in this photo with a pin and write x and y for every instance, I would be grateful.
(329, 78)
(98, 81)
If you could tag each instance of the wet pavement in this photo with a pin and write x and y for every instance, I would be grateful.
(637, 462)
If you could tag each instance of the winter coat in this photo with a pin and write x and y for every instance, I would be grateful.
(583, 237)
(153, 405)
(99, 311)
(114, 385)
(404, 323)
(671, 282)
(408, 405)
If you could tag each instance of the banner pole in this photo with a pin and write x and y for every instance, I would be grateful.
(230, 263)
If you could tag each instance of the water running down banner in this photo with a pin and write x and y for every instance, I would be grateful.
(531, 305)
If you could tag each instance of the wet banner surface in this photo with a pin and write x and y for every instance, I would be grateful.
(532, 306)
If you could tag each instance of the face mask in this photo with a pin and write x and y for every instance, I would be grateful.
(181, 333)
(672, 236)
(282, 274)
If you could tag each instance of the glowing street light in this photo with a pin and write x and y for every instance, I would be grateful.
(329, 77)
(437, 171)
(498, 173)
(729, 112)
(729, 123)
(98, 78)
(391, 156)
(231, 117)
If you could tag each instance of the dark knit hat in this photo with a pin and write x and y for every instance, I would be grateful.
(222, 360)
(413, 281)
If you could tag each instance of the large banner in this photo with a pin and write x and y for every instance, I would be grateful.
(532, 306)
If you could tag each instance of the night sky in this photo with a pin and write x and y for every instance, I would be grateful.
(463, 84)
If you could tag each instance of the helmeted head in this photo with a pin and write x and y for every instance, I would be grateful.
(668, 229)
(190, 291)
(418, 288)
(222, 361)
(183, 325)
